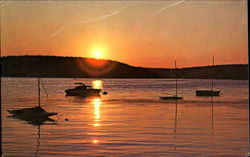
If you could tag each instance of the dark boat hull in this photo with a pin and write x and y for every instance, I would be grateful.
(207, 93)
(171, 97)
(84, 93)
(34, 113)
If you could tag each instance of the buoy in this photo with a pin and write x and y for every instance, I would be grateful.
(66, 119)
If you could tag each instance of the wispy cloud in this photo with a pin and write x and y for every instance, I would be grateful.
(89, 21)
(166, 7)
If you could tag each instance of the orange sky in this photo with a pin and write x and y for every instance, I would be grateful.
(140, 33)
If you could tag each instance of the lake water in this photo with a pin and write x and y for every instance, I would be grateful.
(130, 120)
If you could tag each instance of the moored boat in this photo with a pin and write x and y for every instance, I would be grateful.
(36, 113)
(173, 97)
(83, 90)
(207, 93)
(211, 92)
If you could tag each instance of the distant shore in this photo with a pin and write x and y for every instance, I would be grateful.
(77, 67)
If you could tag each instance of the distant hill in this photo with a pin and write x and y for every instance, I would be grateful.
(73, 67)
(233, 72)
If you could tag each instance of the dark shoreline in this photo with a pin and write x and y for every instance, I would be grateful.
(77, 67)
(120, 78)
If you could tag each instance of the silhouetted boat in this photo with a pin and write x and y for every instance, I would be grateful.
(83, 90)
(173, 96)
(34, 113)
(208, 92)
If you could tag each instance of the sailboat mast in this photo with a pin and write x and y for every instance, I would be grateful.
(39, 92)
(175, 78)
(213, 75)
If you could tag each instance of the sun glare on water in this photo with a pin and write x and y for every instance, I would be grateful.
(97, 84)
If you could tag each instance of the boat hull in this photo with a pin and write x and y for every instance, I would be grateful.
(171, 97)
(35, 113)
(83, 93)
(207, 93)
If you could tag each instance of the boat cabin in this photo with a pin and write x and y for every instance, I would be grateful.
(83, 86)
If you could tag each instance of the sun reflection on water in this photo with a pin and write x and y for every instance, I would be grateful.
(97, 84)
(95, 141)
(96, 116)
(96, 124)
(97, 112)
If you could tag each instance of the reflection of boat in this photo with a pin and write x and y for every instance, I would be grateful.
(175, 124)
(32, 114)
(173, 96)
(38, 140)
(83, 90)
(208, 92)
(38, 123)
(212, 116)
(38, 134)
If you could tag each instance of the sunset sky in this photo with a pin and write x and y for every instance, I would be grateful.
(139, 33)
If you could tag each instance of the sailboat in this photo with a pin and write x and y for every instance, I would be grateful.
(173, 96)
(208, 92)
(36, 113)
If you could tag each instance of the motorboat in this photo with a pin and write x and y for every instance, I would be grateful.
(83, 90)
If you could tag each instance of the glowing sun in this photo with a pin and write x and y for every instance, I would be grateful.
(97, 54)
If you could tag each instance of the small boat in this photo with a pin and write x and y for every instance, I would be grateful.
(36, 113)
(32, 114)
(173, 97)
(83, 90)
(208, 92)
(104, 93)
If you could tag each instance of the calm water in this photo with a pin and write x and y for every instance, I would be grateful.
(130, 121)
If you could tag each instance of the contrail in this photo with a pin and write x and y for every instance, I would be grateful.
(105, 16)
(166, 7)
(89, 21)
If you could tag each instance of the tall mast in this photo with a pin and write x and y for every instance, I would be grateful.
(213, 75)
(175, 78)
(39, 92)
